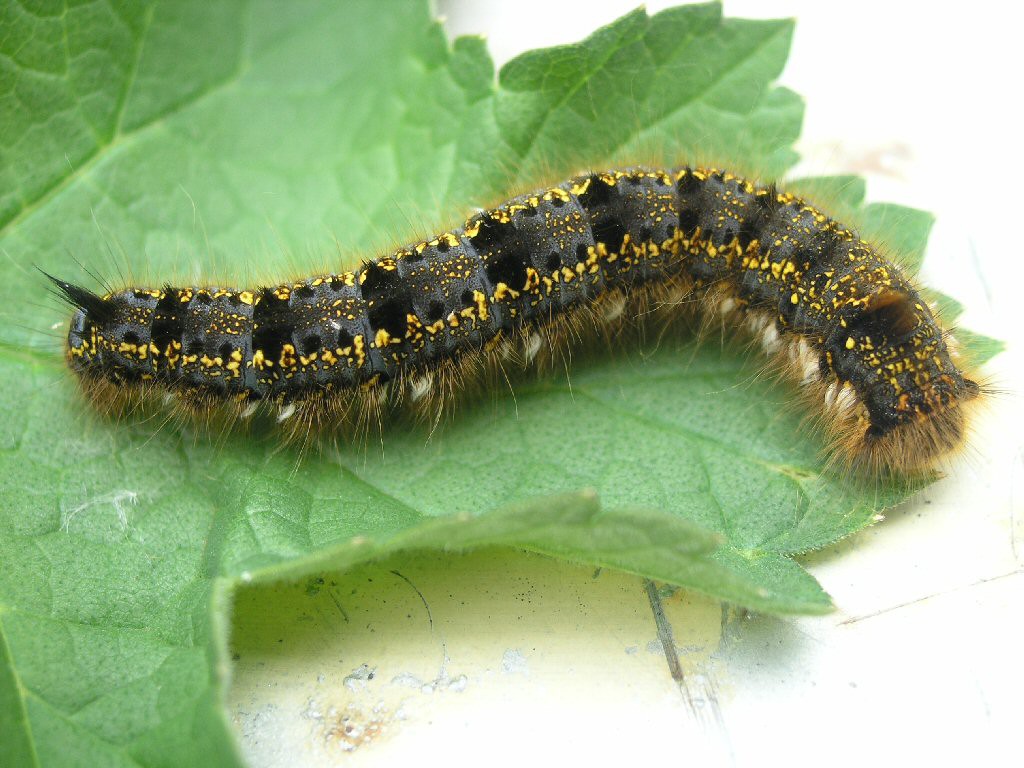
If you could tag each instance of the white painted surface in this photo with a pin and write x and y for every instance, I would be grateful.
(523, 659)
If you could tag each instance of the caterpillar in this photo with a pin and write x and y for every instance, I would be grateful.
(837, 316)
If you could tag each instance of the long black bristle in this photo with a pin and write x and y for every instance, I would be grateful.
(95, 307)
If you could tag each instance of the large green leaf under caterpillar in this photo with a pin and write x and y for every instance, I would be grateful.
(196, 138)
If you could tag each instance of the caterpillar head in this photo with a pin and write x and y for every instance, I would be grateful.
(910, 386)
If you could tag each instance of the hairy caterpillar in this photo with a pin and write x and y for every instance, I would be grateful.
(838, 316)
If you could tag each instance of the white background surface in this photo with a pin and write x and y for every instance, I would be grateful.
(501, 658)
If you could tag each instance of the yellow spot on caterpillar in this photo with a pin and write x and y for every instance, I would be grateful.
(358, 349)
(581, 188)
(287, 358)
(502, 292)
(532, 279)
(557, 194)
(480, 299)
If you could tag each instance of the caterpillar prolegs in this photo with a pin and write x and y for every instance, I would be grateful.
(843, 320)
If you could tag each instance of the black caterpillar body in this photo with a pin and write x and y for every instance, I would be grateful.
(846, 322)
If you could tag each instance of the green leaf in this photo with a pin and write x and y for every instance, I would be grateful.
(16, 746)
(193, 140)
(949, 309)
(977, 348)
(903, 230)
